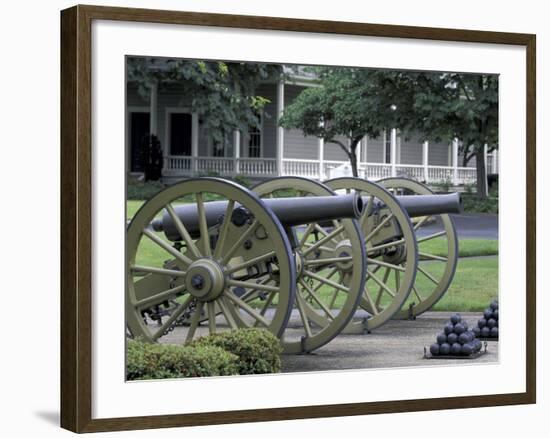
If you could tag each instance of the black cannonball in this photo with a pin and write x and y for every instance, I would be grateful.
(456, 318)
(495, 314)
(467, 349)
(449, 327)
(441, 338)
(452, 338)
(464, 338)
(494, 332)
(434, 349)
(476, 331)
(459, 328)
(494, 305)
(477, 344)
(481, 323)
(456, 349)
(488, 313)
(492, 323)
(465, 324)
(485, 332)
(444, 349)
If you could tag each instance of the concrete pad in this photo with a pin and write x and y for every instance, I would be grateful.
(398, 343)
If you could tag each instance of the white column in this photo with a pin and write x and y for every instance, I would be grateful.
(455, 162)
(365, 144)
(236, 151)
(495, 161)
(194, 141)
(322, 159)
(280, 129)
(393, 151)
(425, 159)
(485, 158)
(153, 108)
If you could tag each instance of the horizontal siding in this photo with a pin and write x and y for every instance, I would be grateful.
(410, 150)
(438, 154)
(375, 149)
(334, 152)
(296, 144)
(133, 98)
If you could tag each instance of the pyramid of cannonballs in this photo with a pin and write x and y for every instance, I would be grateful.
(456, 339)
(487, 326)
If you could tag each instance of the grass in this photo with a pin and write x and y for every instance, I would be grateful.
(466, 247)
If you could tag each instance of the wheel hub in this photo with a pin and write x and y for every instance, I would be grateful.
(341, 250)
(205, 280)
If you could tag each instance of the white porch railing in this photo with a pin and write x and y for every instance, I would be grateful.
(179, 166)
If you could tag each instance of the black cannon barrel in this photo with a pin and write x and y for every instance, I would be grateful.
(426, 205)
(290, 211)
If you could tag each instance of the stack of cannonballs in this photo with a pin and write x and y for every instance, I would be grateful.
(487, 327)
(456, 339)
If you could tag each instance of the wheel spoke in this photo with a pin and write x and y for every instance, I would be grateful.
(203, 225)
(160, 271)
(432, 256)
(195, 319)
(382, 285)
(366, 214)
(183, 231)
(160, 297)
(226, 312)
(373, 306)
(431, 236)
(246, 308)
(416, 293)
(421, 222)
(384, 279)
(303, 316)
(324, 240)
(328, 277)
(224, 229)
(211, 306)
(251, 262)
(385, 245)
(172, 251)
(306, 234)
(266, 305)
(385, 264)
(175, 315)
(427, 274)
(250, 285)
(329, 260)
(316, 298)
(379, 227)
(239, 242)
(326, 281)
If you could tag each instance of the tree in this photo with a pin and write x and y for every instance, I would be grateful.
(345, 105)
(223, 93)
(443, 106)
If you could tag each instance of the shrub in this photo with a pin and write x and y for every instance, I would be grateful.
(258, 350)
(155, 361)
(142, 191)
(243, 181)
(473, 204)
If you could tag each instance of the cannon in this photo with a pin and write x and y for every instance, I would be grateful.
(224, 258)
(291, 256)
(434, 271)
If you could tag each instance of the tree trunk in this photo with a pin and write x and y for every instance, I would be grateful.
(353, 161)
(481, 174)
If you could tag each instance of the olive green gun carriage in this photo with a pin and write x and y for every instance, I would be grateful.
(224, 257)
(207, 255)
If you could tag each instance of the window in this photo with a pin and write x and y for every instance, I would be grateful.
(180, 133)
(255, 140)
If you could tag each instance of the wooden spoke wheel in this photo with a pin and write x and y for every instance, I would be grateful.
(437, 250)
(194, 273)
(330, 270)
(390, 246)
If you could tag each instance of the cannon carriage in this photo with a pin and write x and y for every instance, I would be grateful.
(291, 256)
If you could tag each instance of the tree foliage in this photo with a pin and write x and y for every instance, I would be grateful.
(224, 94)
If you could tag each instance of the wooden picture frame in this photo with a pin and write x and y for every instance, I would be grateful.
(76, 217)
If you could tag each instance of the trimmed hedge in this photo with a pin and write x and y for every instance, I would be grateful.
(156, 361)
(258, 350)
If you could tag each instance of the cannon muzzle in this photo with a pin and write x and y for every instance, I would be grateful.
(290, 211)
(427, 205)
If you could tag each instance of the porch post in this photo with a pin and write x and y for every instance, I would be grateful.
(485, 157)
(236, 151)
(280, 129)
(455, 161)
(393, 153)
(321, 159)
(153, 103)
(495, 161)
(425, 159)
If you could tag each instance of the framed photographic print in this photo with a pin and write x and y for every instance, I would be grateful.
(268, 218)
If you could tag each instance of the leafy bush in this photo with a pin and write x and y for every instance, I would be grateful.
(142, 191)
(473, 204)
(243, 181)
(258, 350)
(156, 361)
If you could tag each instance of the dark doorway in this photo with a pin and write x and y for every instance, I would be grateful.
(139, 128)
(181, 128)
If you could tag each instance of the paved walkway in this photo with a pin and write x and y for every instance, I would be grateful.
(469, 226)
(396, 344)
